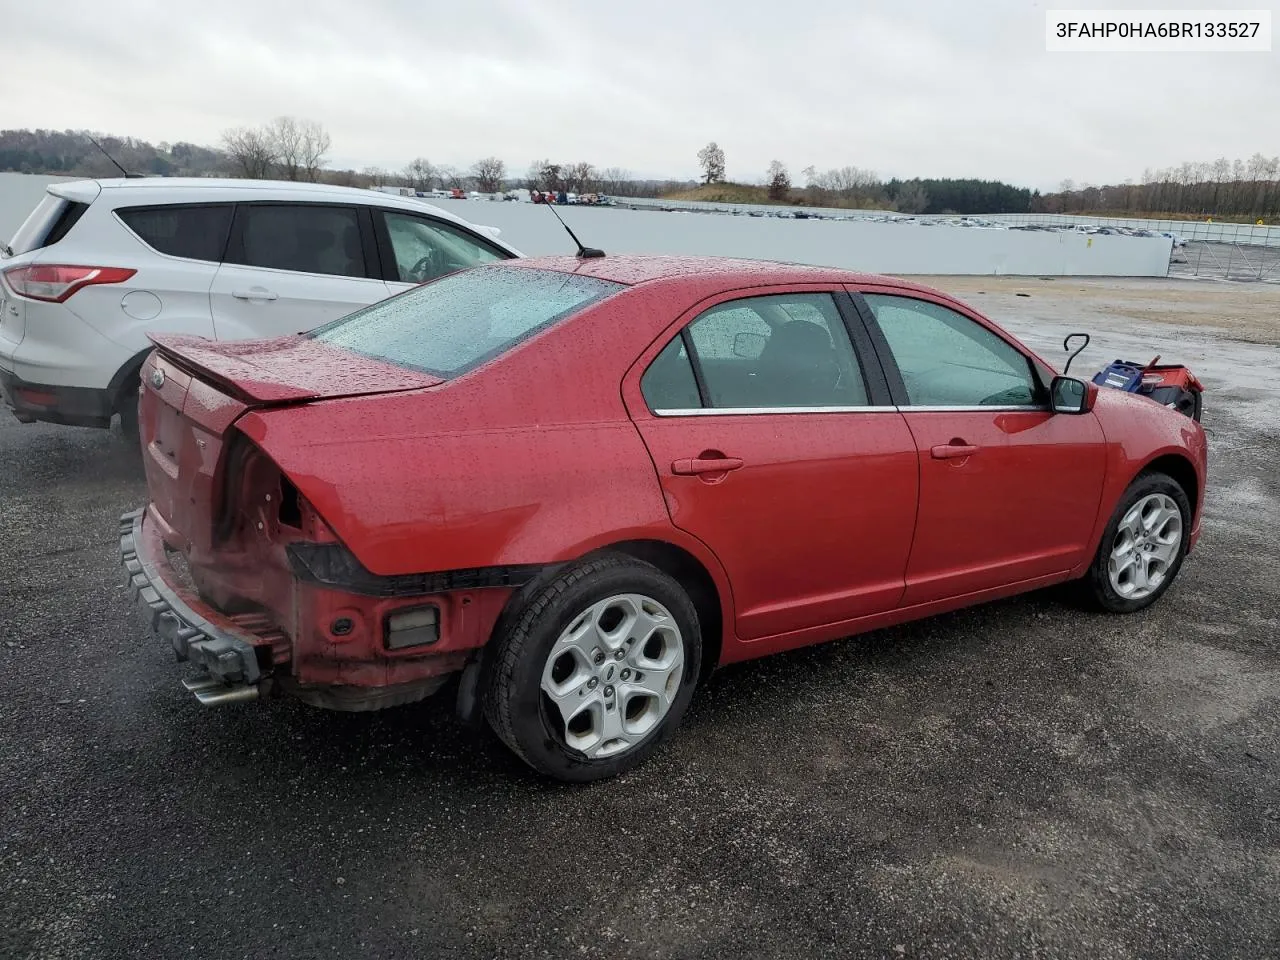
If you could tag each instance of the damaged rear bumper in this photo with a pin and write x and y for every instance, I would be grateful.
(196, 632)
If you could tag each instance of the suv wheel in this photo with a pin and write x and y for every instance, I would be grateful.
(127, 407)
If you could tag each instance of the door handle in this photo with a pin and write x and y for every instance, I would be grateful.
(701, 465)
(953, 451)
(256, 294)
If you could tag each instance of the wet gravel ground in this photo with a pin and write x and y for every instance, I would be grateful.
(1017, 780)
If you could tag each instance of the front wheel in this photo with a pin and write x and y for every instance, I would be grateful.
(594, 668)
(1143, 546)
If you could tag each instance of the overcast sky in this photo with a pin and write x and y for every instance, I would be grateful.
(925, 88)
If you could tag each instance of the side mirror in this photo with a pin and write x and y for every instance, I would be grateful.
(749, 346)
(1069, 395)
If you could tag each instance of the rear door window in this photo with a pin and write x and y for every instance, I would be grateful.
(300, 237)
(194, 232)
(424, 249)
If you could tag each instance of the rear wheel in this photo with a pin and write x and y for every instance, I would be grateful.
(128, 410)
(594, 668)
(1143, 546)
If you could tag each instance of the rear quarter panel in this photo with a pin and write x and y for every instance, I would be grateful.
(531, 458)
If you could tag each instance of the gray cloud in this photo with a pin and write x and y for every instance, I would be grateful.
(930, 88)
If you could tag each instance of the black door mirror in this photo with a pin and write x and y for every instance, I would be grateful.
(1069, 395)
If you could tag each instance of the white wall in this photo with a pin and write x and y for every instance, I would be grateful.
(895, 248)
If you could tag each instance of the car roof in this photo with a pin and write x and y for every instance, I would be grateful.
(632, 270)
(150, 190)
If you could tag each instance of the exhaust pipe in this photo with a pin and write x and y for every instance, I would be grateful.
(212, 692)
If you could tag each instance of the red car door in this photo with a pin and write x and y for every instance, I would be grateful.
(777, 448)
(1009, 491)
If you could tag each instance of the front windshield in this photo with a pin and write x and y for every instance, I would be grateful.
(460, 321)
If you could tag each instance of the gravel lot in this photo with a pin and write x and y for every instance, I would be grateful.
(1018, 780)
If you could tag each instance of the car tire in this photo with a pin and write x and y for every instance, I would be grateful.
(1129, 573)
(621, 685)
(128, 410)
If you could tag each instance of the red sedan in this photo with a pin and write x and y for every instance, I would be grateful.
(580, 484)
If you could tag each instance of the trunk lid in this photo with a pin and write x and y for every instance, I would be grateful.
(194, 389)
(287, 369)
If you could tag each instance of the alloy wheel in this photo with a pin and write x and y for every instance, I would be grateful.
(612, 674)
(1146, 546)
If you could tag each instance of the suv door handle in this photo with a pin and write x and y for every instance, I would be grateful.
(953, 451)
(257, 293)
(701, 465)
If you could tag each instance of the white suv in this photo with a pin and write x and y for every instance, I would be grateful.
(99, 264)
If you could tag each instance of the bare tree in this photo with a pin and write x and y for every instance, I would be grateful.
(613, 179)
(251, 151)
(779, 180)
(313, 151)
(376, 177)
(450, 177)
(579, 177)
(285, 135)
(545, 175)
(850, 185)
(420, 174)
(489, 174)
(912, 199)
(711, 159)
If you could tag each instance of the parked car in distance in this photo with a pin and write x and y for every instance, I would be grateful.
(583, 483)
(100, 264)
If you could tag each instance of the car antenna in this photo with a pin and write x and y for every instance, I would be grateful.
(584, 253)
(123, 171)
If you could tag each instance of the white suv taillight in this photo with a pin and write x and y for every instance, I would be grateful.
(55, 282)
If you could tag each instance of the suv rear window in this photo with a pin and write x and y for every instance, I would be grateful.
(454, 324)
(196, 232)
(47, 224)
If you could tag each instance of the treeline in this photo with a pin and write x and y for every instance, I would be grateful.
(855, 187)
(292, 149)
(71, 153)
(1244, 189)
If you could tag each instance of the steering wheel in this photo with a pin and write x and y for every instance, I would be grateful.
(424, 269)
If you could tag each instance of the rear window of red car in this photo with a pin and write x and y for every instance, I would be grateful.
(460, 321)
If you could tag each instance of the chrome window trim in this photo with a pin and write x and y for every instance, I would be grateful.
(748, 411)
(755, 411)
(974, 408)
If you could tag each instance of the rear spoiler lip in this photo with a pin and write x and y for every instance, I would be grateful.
(274, 395)
(77, 191)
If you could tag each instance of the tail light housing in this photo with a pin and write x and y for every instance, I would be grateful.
(55, 282)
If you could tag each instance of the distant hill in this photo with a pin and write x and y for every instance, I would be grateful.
(70, 153)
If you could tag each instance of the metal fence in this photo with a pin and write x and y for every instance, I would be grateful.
(1241, 233)
(1214, 260)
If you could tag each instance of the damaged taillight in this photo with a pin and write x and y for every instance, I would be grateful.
(414, 627)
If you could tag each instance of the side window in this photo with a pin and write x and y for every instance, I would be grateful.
(197, 233)
(669, 383)
(426, 249)
(304, 237)
(786, 350)
(948, 360)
